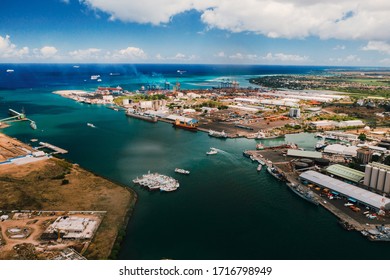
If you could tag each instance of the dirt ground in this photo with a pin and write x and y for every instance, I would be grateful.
(56, 185)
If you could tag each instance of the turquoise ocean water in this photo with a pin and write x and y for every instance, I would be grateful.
(223, 210)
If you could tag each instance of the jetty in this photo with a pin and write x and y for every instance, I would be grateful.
(57, 150)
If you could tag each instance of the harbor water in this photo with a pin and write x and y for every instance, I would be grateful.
(223, 210)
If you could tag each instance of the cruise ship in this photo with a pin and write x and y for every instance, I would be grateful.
(155, 181)
(217, 134)
(140, 115)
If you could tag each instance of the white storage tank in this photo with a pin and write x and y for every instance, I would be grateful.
(381, 180)
(367, 175)
(387, 183)
(374, 177)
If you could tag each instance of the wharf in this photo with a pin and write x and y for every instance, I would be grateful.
(57, 150)
(283, 164)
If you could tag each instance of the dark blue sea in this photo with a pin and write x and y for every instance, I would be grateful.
(223, 210)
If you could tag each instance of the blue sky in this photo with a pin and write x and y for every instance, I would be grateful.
(288, 32)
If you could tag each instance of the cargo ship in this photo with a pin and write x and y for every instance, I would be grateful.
(192, 126)
(140, 115)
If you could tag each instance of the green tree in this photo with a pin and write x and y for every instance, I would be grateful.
(362, 137)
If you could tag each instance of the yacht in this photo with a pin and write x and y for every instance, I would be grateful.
(212, 151)
(91, 125)
(182, 171)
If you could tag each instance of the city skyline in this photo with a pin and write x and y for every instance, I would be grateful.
(273, 32)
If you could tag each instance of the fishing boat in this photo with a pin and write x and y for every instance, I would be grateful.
(305, 194)
(182, 171)
(259, 167)
(212, 151)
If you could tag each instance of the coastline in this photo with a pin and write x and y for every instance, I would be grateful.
(37, 186)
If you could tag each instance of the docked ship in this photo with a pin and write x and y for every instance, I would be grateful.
(259, 167)
(217, 134)
(155, 181)
(189, 125)
(140, 115)
(306, 195)
(182, 171)
(263, 136)
(274, 173)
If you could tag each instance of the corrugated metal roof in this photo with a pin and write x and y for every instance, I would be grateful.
(349, 190)
(306, 154)
(346, 172)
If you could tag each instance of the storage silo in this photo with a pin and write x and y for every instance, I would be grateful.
(367, 175)
(386, 189)
(381, 180)
(374, 177)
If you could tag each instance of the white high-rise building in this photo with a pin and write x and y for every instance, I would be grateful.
(295, 113)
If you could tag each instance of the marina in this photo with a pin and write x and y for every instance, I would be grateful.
(156, 181)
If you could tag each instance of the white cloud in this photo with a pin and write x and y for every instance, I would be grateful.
(130, 53)
(9, 50)
(339, 47)
(379, 46)
(341, 19)
(48, 51)
(147, 11)
(220, 54)
(385, 61)
(183, 57)
(281, 57)
(86, 54)
(350, 59)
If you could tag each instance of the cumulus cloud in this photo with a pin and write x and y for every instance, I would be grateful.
(379, 46)
(147, 11)
(220, 54)
(48, 51)
(9, 50)
(130, 53)
(86, 54)
(341, 19)
(282, 57)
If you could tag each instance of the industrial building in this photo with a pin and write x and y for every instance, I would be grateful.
(295, 113)
(349, 191)
(303, 154)
(72, 227)
(364, 155)
(345, 173)
(377, 177)
(341, 150)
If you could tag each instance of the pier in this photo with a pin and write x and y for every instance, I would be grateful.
(57, 150)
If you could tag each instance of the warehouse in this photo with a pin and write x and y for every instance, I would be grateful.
(350, 191)
(346, 173)
(303, 154)
(341, 150)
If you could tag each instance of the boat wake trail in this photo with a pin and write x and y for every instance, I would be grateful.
(231, 157)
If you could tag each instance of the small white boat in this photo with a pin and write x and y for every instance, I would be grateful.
(99, 80)
(259, 167)
(212, 151)
(10, 70)
(182, 171)
(33, 125)
(95, 77)
(91, 125)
